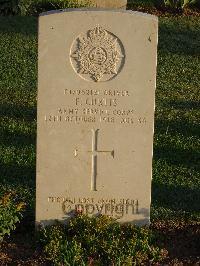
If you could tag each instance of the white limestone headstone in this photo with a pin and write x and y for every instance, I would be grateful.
(97, 73)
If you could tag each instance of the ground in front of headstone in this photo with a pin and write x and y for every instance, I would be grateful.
(181, 242)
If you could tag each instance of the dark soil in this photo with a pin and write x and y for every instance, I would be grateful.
(182, 241)
(22, 248)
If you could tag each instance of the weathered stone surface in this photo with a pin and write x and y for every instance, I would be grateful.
(107, 3)
(95, 114)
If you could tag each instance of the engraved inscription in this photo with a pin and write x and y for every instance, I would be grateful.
(116, 208)
(95, 92)
(94, 153)
(105, 106)
(98, 55)
(105, 117)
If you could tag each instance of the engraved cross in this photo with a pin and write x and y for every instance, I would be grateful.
(94, 152)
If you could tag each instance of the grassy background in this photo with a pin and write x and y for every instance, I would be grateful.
(176, 175)
(18, 72)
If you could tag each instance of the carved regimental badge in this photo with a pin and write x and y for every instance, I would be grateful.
(97, 56)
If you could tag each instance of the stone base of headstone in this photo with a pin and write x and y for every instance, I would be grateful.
(119, 4)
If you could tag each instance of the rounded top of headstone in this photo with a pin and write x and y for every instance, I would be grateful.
(99, 10)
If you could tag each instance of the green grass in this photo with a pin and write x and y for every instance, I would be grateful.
(176, 175)
(18, 60)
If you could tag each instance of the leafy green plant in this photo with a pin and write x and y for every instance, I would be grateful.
(30, 7)
(58, 248)
(34, 7)
(99, 241)
(10, 213)
(175, 4)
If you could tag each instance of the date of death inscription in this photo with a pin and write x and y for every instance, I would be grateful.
(115, 208)
(94, 106)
